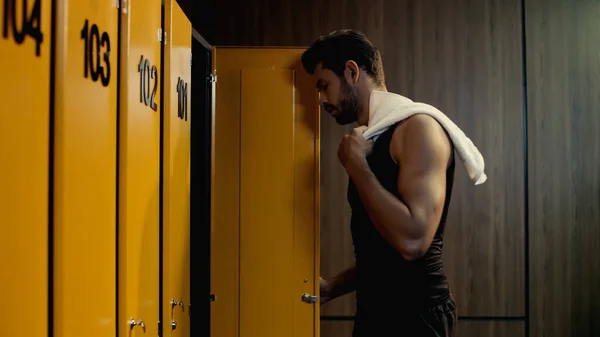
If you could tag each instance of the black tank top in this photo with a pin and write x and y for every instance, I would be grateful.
(387, 284)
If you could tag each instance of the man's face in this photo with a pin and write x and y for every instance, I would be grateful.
(338, 97)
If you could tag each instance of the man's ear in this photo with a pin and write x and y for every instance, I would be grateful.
(352, 72)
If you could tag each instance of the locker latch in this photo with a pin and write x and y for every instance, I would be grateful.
(309, 299)
(162, 35)
(211, 297)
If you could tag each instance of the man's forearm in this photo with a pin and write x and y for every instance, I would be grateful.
(343, 283)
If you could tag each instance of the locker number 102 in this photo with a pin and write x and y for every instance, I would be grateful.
(147, 74)
(30, 24)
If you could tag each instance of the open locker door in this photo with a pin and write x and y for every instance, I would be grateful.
(265, 195)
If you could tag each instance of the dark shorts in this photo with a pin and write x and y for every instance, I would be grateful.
(437, 321)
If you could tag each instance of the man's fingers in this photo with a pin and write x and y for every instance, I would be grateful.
(356, 132)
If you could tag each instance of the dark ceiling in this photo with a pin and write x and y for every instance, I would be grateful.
(186, 5)
(200, 13)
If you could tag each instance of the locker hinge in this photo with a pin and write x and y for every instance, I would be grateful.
(118, 3)
(162, 35)
(212, 78)
(211, 297)
(159, 328)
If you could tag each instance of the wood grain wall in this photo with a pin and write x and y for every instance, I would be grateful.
(463, 329)
(466, 58)
(563, 80)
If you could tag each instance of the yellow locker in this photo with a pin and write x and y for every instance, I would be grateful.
(139, 165)
(267, 203)
(176, 166)
(85, 169)
(25, 112)
(224, 247)
(267, 157)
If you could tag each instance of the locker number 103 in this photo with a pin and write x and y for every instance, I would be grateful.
(92, 54)
(27, 25)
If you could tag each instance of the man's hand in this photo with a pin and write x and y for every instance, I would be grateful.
(325, 291)
(338, 285)
(353, 151)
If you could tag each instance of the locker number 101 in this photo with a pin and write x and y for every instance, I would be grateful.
(182, 99)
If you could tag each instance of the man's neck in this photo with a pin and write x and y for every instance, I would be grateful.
(364, 112)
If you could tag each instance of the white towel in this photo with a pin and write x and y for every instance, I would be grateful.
(386, 109)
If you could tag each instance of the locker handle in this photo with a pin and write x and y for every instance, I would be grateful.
(174, 304)
(133, 323)
(309, 299)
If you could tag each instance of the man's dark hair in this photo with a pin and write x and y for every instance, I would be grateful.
(338, 47)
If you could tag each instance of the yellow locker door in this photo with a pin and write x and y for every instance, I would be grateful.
(85, 169)
(176, 166)
(139, 164)
(267, 203)
(266, 115)
(224, 236)
(24, 149)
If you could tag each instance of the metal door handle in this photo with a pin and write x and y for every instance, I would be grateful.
(133, 323)
(309, 299)
(174, 304)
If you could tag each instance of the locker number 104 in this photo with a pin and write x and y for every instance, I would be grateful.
(27, 25)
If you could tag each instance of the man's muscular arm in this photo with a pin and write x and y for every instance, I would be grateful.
(342, 284)
(423, 149)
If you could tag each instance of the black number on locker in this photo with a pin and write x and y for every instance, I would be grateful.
(30, 25)
(93, 42)
(182, 99)
(147, 74)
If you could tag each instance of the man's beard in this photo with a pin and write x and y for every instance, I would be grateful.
(349, 104)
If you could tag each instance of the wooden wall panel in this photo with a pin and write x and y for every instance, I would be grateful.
(563, 75)
(463, 57)
(336, 328)
(490, 329)
(463, 329)
(337, 252)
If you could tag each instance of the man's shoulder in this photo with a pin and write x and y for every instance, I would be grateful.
(420, 132)
(419, 123)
